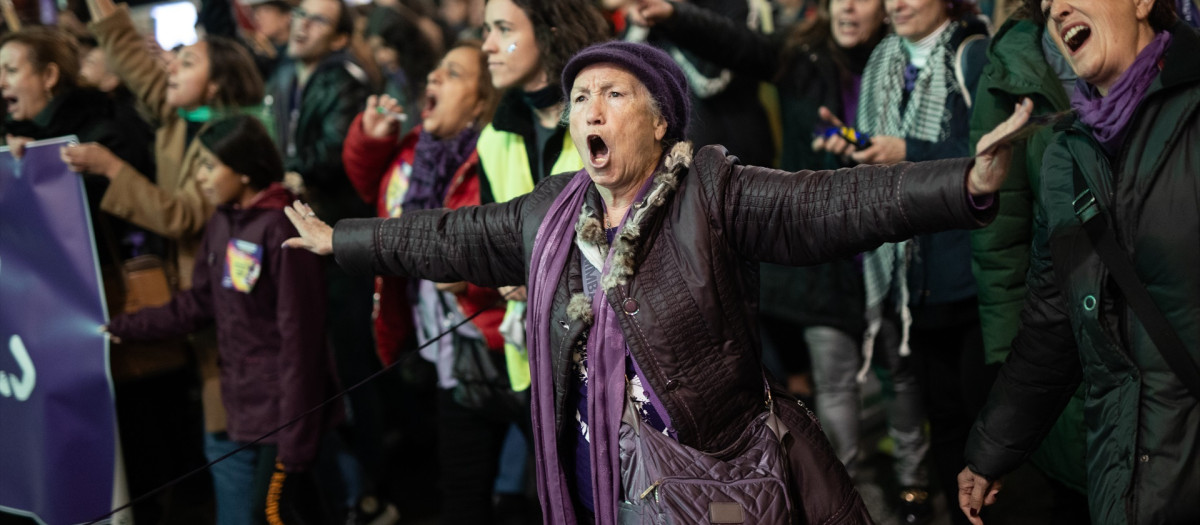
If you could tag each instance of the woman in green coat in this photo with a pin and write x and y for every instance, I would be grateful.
(1133, 146)
(1024, 62)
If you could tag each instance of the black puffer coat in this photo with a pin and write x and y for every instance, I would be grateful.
(695, 282)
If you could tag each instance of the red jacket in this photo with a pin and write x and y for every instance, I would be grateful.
(268, 304)
(379, 169)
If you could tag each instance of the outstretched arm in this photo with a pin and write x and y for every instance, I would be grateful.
(813, 216)
(479, 244)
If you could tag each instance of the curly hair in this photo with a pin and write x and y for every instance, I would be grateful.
(562, 28)
(47, 45)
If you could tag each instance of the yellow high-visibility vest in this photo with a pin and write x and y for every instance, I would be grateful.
(506, 166)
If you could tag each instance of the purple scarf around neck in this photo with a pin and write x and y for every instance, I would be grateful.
(1109, 116)
(606, 365)
(434, 164)
(551, 248)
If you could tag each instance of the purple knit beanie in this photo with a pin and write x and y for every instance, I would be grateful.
(662, 77)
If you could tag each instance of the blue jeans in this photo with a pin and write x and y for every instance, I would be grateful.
(233, 479)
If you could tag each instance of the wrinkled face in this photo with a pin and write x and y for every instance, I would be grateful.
(1100, 38)
(452, 97)
(314, 31)
(513, 56)
(93, 69)
(26, 91)
(273, 22)
(218, 182)
(188, 84)
(854, 21)
(614, 127)
(913, 20)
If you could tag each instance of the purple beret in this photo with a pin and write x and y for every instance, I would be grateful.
(662, 77)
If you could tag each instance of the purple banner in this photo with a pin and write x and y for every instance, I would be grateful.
(57, 422)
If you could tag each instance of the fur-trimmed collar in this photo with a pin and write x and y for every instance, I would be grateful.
(593, 243)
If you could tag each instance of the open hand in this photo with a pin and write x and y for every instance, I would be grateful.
(995, 153)
(975, 491)
(315, 235)
(379, 117)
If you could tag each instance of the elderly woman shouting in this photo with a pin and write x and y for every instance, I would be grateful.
(642, 284)
(1113, 293)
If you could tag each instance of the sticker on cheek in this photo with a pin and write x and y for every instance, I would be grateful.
(511, 48)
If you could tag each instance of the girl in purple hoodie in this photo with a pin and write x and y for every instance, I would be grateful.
(268, 304)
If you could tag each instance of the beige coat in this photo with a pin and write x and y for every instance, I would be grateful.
(174, 206)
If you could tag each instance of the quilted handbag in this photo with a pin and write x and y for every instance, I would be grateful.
(665, 482)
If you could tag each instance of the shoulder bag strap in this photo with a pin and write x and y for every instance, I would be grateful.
(969, 60)
(1165, 338)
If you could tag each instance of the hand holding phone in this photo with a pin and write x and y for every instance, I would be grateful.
(859, 139)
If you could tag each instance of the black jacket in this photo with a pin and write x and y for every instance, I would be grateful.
(807, 77)
(334, 95)
(695, 282)
(733, 117)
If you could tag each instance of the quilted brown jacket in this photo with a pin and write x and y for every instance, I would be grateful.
(690, 305)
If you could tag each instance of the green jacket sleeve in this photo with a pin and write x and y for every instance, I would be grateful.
(1000, 252)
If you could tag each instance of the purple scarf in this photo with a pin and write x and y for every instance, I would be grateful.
(1109, 116)
(434, 164)
(551, 248)
(606, 365)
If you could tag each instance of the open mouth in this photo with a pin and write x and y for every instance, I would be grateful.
(430, 104)
(597, 151)
(847, 25)
(10, 103)
(1075, 36)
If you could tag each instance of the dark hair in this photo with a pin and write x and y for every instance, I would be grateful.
(413, 48)
(47, 46)
(232, 69)
(242, 143)
(816, 33)
(486, 91)
(345, 20)
(562, 28)
(959, 9)
(1162, 14)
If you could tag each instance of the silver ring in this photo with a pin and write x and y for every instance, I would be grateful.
(310, 214)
